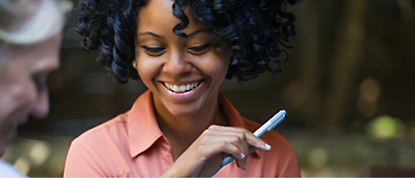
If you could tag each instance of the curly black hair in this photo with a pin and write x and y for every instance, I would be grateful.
(255, 29)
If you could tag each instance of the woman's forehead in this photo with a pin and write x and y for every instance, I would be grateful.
(156, 13)
(158, 16)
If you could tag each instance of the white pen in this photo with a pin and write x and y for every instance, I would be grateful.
(268, 126)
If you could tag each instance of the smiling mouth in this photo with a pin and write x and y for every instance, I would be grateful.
(183, 87)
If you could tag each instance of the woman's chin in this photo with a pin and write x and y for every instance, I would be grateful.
(181, 109)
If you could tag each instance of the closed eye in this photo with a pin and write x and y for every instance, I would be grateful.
(198, 50)
(154, 51)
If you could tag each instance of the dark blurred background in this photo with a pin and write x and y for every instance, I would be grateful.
(348, 88)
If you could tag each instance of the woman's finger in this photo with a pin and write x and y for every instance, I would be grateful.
(228, 148)
(250, 137)
(243, 145)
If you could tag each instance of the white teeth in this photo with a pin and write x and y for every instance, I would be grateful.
(175, 88)
(181, 88)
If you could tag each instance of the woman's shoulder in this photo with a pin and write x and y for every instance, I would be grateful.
(111, 130)
(118, 128)
(96, 152)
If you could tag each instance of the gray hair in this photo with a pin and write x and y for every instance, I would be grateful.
(25, 22)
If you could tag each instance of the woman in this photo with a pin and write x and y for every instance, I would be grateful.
(182, 50)
(30, 38)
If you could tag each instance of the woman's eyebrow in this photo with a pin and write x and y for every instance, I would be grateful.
(158, 36)
(149, 33)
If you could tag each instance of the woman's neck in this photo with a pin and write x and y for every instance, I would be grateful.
(188, 128)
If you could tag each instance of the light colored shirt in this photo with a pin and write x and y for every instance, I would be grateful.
(132, 145)
(7, 170)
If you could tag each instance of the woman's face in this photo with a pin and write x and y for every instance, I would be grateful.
(184, 74)
(22, 75)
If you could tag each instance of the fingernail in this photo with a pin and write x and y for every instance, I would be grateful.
(242, 156)
(245, 166)
(268, 147)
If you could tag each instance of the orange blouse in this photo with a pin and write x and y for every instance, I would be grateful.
(132, 145)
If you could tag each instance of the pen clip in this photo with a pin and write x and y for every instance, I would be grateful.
(275, 124)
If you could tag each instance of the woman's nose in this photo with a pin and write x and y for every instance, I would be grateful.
(177, 64)
(40, 107)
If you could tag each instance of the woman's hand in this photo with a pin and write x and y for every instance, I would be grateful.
(203, 158)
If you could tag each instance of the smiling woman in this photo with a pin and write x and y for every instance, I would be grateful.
(182, 51)
(198, 60)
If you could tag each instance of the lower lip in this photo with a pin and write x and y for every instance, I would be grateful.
(185, 96)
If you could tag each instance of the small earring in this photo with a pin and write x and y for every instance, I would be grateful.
(134, 64)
